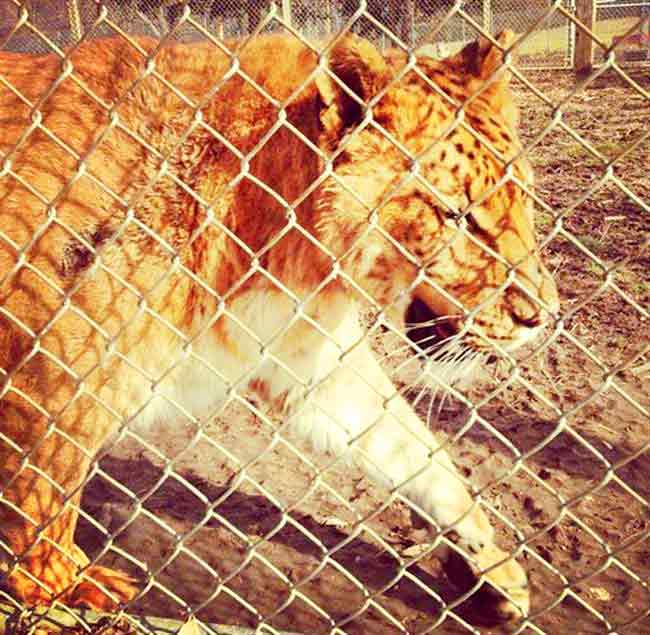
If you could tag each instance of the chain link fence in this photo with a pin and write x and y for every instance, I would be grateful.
(615, 20)
(549, 43)
(223, 516)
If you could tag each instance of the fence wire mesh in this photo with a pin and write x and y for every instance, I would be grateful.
(204, 389)
(549, 41)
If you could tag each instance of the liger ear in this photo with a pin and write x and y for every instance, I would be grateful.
(482, 58)
(362, 69)
(481, 61)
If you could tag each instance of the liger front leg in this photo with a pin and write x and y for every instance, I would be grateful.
(41, 473)
(357, 411)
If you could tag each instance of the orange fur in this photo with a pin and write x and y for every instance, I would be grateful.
(111, 270)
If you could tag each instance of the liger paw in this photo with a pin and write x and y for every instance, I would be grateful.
(504, 596)
(102, 589)
(40, 582)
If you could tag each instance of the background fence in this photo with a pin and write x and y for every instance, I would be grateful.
(561, 446)
(550, 43)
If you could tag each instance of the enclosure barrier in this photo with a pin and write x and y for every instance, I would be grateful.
(584, 592)
(553, 40)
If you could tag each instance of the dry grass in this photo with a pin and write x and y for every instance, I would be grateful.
(548, 47)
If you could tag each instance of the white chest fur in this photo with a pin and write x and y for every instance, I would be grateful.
(265, 341)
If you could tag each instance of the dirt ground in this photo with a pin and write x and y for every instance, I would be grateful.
(579, 499)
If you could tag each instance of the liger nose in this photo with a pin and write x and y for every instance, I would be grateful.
(529, 312)
(530, 322)
(543, 303)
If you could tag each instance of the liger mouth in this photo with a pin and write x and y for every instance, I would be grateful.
(428, 331)
(435, 337)
(446, 352)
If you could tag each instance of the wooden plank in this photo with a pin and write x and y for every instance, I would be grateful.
(583, 60)
(59, 621)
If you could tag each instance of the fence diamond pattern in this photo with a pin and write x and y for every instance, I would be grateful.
(262, 532)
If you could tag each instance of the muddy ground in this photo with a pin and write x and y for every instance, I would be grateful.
(580, 495)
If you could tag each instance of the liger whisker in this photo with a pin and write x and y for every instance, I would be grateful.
(411, 326)
(420, 352)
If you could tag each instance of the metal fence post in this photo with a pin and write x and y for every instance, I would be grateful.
(487, 15)
(571, 36)
(74, 19)
(286, 11)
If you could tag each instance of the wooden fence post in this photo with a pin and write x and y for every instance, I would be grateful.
(584, 48)
(409, 23)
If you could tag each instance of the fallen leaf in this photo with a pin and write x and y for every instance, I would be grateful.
(600, 594)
